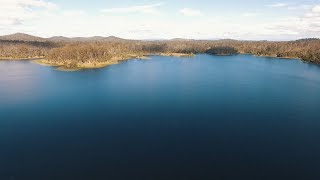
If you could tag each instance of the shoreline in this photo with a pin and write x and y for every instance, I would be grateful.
(87, 65)
(97, 65)
(173, 54)
(20, 59)
(296, 58)
(77, 67)
(115, 60)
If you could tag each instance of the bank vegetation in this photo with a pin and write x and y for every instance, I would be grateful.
(93, 54)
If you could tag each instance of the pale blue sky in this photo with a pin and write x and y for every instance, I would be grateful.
(163, 19)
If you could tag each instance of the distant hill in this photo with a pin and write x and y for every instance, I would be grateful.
(58, 38)
(21, 37)
(85, 39)
(181, 39)
(228, 40)
(113, 38)
(307, 40)
(29, 38)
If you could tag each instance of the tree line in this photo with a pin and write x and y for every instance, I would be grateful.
(80, 52)
(24, 50)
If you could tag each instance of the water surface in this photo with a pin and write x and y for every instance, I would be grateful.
(206, 117)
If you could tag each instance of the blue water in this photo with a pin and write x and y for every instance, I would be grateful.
(207, 117)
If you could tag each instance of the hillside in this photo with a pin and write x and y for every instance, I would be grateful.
(84, 39)
(58, 38)
(29, 38)
(21, 37)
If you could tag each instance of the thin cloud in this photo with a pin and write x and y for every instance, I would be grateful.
(191, 12)
(145, 9)
(300, 7)
(307, 25)
(15, 12)
(278, 5)
(290, 6)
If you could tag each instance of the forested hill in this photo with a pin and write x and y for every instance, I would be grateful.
(99, 48)
(21, 37)
(30, 38)
(308, 40)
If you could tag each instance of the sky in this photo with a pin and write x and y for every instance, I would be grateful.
(163, 19)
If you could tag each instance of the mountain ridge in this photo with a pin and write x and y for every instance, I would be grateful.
(31, 38)
(21, 37)
(27, 38)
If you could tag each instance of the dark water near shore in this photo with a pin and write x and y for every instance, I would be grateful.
(207, 117)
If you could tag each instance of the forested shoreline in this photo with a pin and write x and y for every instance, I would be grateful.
(81, 54)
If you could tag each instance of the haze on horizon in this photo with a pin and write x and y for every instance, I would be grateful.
(163, 19)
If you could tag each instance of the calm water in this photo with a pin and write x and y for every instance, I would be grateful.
(206, 117)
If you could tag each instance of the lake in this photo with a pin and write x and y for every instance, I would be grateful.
(205, 117)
